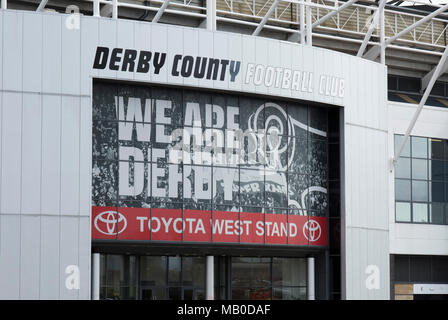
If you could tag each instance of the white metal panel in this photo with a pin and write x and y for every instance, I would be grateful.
(51, 54)
(10, 256)
(11, 152)
(274, 62)
(89, 41)
(158, 43)
(125, 40)
(235, 50)
(31, 153)
(191, 48)
(1, 51)
(296, 65)
(142, 41)
(325, 67)
(308, 66)
(32, 52)
(261, 55)
(84, 257)
(175, 46)
(69, 255)
(49, 258)
(205, 48)
(70, 126)
(12, 58)
(220, 52)
(51, 154)
(248, 58)
(107, 38)
(71, 60)
(85, 156)
(286, 61)
(30, 262)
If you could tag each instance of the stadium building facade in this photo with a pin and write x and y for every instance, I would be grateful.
(150, 160)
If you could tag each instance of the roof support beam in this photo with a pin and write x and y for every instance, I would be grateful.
(427, 77)
(42, 5)
(161, 11)
(373, 53)
(266, 17)
(375, 21)
(333, 13)
(437, 72)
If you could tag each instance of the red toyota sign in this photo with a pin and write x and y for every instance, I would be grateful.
(156, 224)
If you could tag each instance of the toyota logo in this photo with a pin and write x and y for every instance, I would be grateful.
(106, 222)
(312, 227)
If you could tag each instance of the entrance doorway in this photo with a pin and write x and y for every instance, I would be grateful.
(145, 277)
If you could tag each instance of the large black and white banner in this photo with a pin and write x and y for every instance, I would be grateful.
(171, 148)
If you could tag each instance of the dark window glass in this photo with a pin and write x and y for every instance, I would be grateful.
(408, 84)
(436, 170)
(438, 89)
(437, 213)
(402, 268)
(152, 271)
(436, 191)
(436, 147)
(392, 82)
(193, 271)
(174, 270)
(288, 272)
(439, 269)
(420, 269)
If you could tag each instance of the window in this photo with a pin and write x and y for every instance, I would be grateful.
(160, 277)
(268, 278)
(421, 181)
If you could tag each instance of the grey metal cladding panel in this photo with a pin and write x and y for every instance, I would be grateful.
(71, 60)
(85, 153)
(69, 254)
(366, 201)
(51, 154)
(107, 38)
(49, 258)
(175, 46)
(158, 43)
(235, 49)
(125, 39)
(31, 153)
(220, 50)
(89, 41)
(51, 56)
(32, 52)
(12, 58)
(9, 256)
(30, 257)
(191, 48)
(84, 257)
(11, 152)
(70, 143)
(367, 248)
(1, 50)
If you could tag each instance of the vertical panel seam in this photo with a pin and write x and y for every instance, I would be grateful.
(21, 168)
(60, 162)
